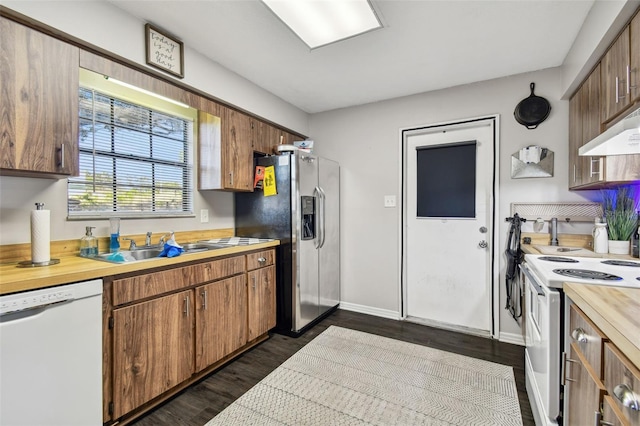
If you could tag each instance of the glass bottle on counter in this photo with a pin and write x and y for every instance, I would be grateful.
(88, 244)
(114, 242)
(635, 240)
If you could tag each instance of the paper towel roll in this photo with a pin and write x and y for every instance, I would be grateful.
(40, 236)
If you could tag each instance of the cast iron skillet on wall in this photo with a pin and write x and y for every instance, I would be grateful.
(532, 110)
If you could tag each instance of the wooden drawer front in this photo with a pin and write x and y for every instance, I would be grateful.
(211, 271)
(618, 370)
(584, 388)
(142, 286)
(611, 415)
(260, 259)
(588, 338)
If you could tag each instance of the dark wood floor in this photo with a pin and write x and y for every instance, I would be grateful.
(202, 401)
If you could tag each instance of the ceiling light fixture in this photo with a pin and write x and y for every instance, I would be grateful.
(322, 22)
(146, 92)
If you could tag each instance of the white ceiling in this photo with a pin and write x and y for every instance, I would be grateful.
(425, 45)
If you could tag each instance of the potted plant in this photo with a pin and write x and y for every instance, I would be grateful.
(620, 207)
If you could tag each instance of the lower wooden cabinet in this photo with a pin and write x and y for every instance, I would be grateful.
(585, 390)
(262, 301)
(622, 380)
(221, 319)
(169, 328)
(152, 349)
(611, 415)
(601, 383)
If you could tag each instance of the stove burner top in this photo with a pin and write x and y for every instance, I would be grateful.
(587, 274)
(621, 263)
(558, 259)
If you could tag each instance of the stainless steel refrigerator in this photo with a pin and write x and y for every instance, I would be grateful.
(304, 216)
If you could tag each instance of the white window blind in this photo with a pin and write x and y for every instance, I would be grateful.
(134, 161)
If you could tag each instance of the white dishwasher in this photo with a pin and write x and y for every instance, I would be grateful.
(51, 356)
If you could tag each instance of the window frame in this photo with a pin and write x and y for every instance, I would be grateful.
(187, 180)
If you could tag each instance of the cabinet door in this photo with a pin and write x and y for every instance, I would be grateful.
(615, 84)
(221, 319)
(634, 72)
(584, 389)
(592, 167)
(611, 415)
(39, 80)
(619, 371)
(575, 140)
(152, 349)
(262, 301)
(237, 153)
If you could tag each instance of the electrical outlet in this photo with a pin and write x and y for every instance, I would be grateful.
(389, 200)
(204, 216)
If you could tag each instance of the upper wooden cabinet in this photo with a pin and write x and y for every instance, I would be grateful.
(225, 154)
(39, 80)
(615, 87)
(634, 47)
(226, 147)
(606, 95)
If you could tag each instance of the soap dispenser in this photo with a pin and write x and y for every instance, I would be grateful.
(88, 244)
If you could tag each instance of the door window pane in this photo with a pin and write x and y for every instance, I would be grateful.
(446, 184)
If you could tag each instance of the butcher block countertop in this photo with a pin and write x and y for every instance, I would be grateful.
(75, 268)
(616, 312)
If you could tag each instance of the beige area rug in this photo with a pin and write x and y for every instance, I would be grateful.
(346, 377)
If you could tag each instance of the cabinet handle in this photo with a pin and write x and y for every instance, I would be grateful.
(591, 162)
(574, 173)
(628, 78)
(262, 260)
(579, 335)
(231, 178)
(565, 371)
(204, 299)
(254, 282)
(627, 397)
(61, 150)
(186, 306)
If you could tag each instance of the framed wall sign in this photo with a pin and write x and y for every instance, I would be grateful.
(164, 52)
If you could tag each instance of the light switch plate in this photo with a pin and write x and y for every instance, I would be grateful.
(204, 216)
(389, 200)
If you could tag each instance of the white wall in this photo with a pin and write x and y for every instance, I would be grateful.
(366, 142)
(108, 27)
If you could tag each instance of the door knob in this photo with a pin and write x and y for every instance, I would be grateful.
(483, 244)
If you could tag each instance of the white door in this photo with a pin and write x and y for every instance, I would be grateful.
(448, 210)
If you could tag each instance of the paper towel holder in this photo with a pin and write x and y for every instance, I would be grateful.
(534, 166)
(31, 263)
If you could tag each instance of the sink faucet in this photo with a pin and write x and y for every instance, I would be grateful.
(147, 241)
(553, 229)
(132, 243)
(162, 239)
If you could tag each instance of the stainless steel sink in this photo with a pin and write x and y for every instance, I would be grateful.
(145, 253)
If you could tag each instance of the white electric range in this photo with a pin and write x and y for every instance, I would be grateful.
(543, 276)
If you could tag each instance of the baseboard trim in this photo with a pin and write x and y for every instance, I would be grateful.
(383, 313)
(512, 338)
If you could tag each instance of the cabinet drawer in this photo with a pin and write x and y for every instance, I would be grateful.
(216, 269)
(260, 259)
(611, 415)
(147, 285)
(619, 371)
(588, 338)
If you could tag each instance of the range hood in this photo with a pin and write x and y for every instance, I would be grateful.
(620, 139)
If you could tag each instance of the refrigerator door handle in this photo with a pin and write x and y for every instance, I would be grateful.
(318, 223)
(322, 216)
